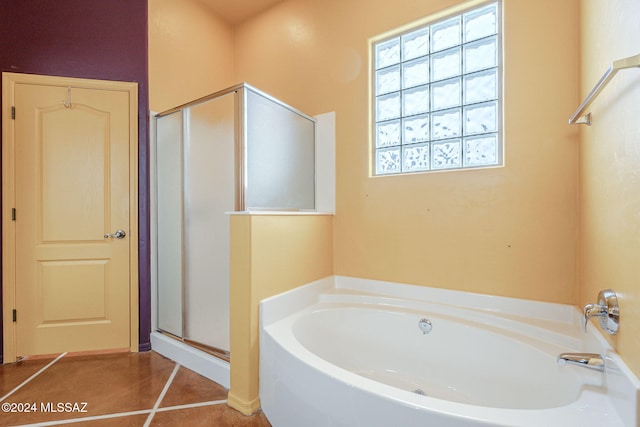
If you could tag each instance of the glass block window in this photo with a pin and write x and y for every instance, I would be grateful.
(437, 95)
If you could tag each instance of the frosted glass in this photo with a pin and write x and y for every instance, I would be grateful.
(445, 34)
(445, 94)
(415, 158)
(388, 80)
(415, 44)
(388, 160)
(482, 86)
(481, 150)
(446, 124)
(169, 221)
(481, 118)
(388, 133)
(209, 193)
(445, 64)
(415, 72)
(416, 129)
(280, 156)
(388, 107)
(481, 54)
(415, 101)
(480, 23)
(447, 154)
(388, 53)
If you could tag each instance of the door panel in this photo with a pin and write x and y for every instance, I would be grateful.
(77, 214)
(72, 285)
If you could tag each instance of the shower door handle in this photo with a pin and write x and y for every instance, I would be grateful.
(120, 234)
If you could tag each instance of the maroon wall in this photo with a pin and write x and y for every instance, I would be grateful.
(96, 39)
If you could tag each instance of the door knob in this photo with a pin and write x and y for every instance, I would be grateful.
(120, 234)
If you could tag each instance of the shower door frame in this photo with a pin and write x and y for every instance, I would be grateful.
(240, 181)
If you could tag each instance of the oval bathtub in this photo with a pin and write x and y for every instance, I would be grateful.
(352, 359)
(456, 361)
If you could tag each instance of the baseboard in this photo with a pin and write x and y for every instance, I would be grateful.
(246, 408)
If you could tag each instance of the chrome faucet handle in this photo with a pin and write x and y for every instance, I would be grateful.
(606, 311)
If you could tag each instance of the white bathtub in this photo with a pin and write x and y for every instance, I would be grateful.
(350, 352)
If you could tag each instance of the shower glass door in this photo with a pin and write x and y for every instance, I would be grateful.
(238, 149)
(169, 148)
(209, 194)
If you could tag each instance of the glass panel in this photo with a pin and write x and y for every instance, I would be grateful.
(169, 220)
(447, 154)
(388, 160)
(445, 94)
(415, 44)
(209, 192)
(480, 23)
(445, 124)
(388, 133)
(280, 156)
(415, 73)
(445, 34)
(482, 86)
(415, 157)
(388, 53)
(388, 107)
(415, 101)
(481, 54)
(416, 129)
(481, 118)
(445, 64)
(388, 80)
(481, 150)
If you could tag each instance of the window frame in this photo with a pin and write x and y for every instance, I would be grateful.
(427, 24)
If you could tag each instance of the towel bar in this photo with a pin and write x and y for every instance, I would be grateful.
(579, 117)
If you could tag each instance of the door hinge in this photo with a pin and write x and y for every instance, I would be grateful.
(13, 214)
(13, 113)
(15, 315)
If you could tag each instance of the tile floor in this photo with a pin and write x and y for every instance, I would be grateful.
(137, 389)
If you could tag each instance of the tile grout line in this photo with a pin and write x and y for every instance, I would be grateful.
(156, 408)
(25, 382)
(123, 414)
(83, 419)
(192, 405)
(162, 394)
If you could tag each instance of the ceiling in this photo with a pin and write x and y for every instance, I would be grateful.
(236, 11)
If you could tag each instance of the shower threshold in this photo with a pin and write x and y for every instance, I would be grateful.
(213, 351)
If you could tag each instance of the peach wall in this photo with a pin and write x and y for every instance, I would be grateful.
(270, 254)
(190, 53)
(610, 169)
(508, 231)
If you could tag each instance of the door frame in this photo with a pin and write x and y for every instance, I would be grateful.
(9, 80)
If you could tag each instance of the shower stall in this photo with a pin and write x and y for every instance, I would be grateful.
(236, 150)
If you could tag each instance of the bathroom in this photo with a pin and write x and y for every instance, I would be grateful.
(557, 223)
